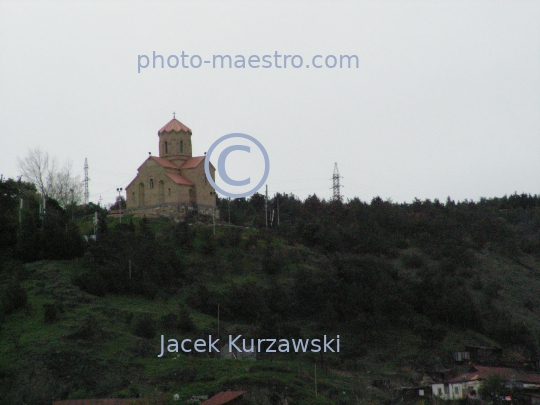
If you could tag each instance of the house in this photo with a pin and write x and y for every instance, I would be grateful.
(461, 357)
(195, 399)
(226, 397)
(174, 182)
(466, 385)
(484, 354)
(414, 395)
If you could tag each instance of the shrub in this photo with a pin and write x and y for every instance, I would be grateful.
(50, 313)
(14, 297)
(185, 323)
(231, 237)
(169, 321)
(144, 327)
(412, 260)
(92, 282)
(207, 241)
(89, 329)
(272, 261)
(184, 234)
(201, 298)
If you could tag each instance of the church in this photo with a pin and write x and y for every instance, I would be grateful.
(174, 183)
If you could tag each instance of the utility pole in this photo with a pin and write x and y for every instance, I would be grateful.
(266, 207)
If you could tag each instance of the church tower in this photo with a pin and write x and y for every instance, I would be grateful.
(175, 142)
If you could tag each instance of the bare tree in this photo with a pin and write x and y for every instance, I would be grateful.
(51, 179)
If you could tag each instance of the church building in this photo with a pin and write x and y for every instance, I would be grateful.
(173, 183)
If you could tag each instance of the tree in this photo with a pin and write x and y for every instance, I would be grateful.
(13, 298)
(120, 203)
(494, 386)
(12, 192)
(51, 179)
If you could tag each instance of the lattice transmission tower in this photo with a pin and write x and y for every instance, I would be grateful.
(335, 184)
(336, 187)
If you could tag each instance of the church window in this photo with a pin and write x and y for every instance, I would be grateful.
(181, 146)
(169, 191)
(166, 147)
(151, 183)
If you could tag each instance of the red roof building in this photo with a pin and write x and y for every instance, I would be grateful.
(174, 182)
(466, 385)
(226, 397)
(481, 373)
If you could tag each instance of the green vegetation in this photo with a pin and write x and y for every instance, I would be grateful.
(494, 387)
(402, 284)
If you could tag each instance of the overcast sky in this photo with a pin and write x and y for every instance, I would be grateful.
(445, 102)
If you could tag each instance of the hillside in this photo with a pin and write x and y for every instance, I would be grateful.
(404, 285)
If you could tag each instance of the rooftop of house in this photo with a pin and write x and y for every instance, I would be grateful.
(223, 397)
(482, 372)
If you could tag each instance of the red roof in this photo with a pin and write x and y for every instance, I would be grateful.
(164, 162)
(531, 378)
(482, 373)
(192, 162)
(223, 397)
(174, 126)
(179, 179)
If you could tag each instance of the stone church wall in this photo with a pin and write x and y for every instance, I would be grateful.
(170, 210)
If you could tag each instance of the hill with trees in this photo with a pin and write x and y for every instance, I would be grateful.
(404, 285)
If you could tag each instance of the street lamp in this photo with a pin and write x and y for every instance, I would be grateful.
(120, 202)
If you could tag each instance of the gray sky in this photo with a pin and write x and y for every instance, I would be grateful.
(445, 102)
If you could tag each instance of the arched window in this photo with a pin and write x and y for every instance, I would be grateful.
(181, 146)
(133, 197)
(151, 183)
(166, 147)
(169, 191)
